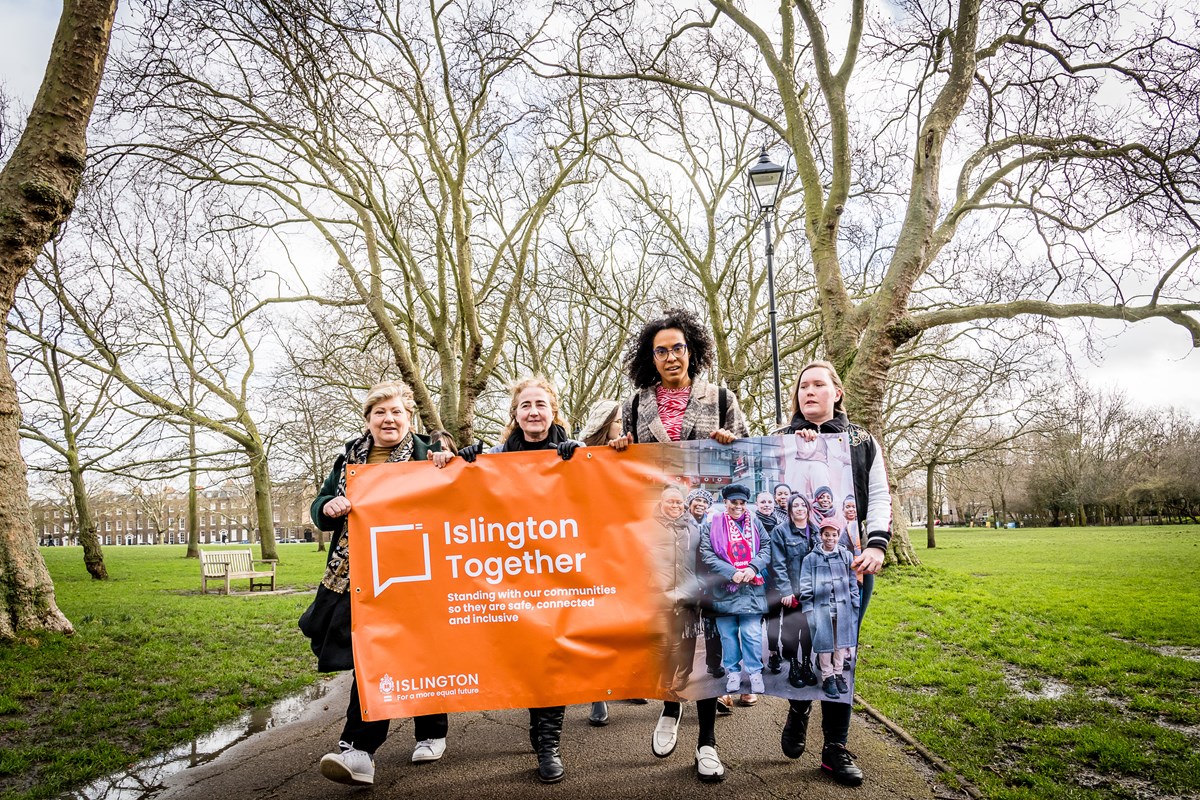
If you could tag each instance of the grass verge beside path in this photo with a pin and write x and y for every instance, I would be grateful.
(1040, 663)
(153, 663)
(1047, 663)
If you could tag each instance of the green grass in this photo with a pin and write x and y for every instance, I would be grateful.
(153, 663)
(1036, 661)
(1043, 663)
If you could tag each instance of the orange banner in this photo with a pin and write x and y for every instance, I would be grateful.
(520, 580)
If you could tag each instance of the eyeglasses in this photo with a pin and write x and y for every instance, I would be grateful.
(678, 350)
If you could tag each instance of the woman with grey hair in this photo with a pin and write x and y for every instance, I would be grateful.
(388, 410)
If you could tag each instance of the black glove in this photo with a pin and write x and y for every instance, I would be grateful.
(469, 452)
(567, 449)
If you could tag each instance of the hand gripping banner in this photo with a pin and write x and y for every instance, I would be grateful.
(523, 580)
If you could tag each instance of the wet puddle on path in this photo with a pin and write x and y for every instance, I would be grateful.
(146, 778)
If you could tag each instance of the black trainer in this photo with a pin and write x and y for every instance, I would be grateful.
(842, 686)
(839, 763)
(829, 686)
(774, 663)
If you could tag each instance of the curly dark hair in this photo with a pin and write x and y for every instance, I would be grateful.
(639, 353)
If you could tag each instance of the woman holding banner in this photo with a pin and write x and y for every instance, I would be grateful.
(671, 403)
(388, 412)
(817, 408)
(534, 423)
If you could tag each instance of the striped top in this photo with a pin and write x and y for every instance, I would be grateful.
(672, 403)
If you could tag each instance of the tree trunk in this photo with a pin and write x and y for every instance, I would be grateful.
(900, 550)
(93, 555)
(864, 404)
(261, 476)
(193, 523)
(38, 187)
(930, 539)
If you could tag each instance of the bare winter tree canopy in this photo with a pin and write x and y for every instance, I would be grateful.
(1015, 158)
(465, 193)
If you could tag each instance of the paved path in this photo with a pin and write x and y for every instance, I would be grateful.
(488, 758)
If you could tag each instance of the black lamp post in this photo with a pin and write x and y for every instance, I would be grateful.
(764, 179)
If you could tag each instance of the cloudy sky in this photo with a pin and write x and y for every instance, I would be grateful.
(1153, 362)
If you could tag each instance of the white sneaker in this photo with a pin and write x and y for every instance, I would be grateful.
(350, 766)
(666, 734)
(756, 683)
(428, 750)
(734, 682)
(708, 765)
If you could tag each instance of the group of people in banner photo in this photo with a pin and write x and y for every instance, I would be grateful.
(774, 565)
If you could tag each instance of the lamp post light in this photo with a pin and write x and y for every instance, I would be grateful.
(765, 178)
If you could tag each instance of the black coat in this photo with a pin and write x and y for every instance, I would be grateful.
(327, 621)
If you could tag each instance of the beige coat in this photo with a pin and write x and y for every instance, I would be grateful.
(700, 419)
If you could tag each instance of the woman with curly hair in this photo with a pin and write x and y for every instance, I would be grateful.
(671, 403)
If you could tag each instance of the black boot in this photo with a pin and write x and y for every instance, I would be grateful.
(599, 716)
(839, 763)
(548, 727)
(795, 674)
(774, 663)
(795, 730)
(807, 675)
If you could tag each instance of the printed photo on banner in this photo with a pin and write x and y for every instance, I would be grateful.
(683, 570)
(764, 600)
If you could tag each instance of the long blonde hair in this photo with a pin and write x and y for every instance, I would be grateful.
(515, 392)
(834, 378)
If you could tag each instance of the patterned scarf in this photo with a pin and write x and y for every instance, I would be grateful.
(337, 571)
(736, 542)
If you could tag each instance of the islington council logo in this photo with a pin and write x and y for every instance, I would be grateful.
(386, 684)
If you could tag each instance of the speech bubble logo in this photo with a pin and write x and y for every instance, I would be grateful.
(403, 550)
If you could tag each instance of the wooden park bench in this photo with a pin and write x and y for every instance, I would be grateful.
(230, 565)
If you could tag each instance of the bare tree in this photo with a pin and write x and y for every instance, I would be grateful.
(586, 282)
(406, 137)
(680, 163)
(320, 395)
(66, 411)
(959, 127)
(170, 314)
(38, 186)
(966, 396)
